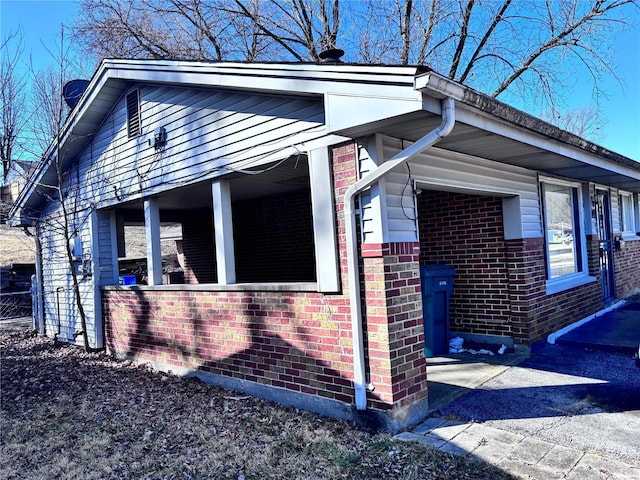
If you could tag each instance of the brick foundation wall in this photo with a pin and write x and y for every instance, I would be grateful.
(526, 267)
(536, 314)
(627, 264)
(299, 341)
(466, 232)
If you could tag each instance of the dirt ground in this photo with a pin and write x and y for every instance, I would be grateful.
(72, 415)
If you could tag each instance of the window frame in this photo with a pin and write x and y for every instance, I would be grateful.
(581, 275)
(631, 233)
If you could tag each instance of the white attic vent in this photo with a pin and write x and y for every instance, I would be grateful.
(133, 114)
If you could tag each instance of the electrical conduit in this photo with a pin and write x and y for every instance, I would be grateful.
(445, 127)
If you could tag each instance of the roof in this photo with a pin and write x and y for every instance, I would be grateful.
(401, 101)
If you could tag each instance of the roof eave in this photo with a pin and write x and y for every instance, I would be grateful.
(438, 85)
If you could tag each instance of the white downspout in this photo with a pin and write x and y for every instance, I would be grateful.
(445, 127)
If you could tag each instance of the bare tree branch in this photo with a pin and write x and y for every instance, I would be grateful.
(562, 39)
(13, 115)
(462, 38)
(474, 57)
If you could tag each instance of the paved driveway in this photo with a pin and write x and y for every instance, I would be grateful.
(569, 396)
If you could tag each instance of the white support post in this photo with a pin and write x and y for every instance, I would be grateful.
(154, 253)
(96, 281)
(324, 228)
(223, 228)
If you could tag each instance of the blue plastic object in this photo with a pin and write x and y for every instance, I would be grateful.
(437, 287)
(127, 280)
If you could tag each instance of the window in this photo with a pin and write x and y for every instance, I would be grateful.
(565, 253)
(133, 114)
(627, 224)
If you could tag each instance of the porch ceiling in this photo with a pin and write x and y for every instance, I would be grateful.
(280, 177)
(480, 142)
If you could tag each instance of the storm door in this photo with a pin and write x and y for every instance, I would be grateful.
(605, 243)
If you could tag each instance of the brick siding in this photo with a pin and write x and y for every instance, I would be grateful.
(500, 285)
(198, 248)
(273, 239)
(466, 232)
(627, 264)
(536, 314)
(394, 320)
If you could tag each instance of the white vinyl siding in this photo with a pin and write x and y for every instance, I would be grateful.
(208, 135)
(442, 170)
(104, 265)
(59, 299)
(373, 219)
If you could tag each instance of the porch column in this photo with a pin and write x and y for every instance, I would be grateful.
(324, 227)
(154, 253)
(395, 332)
(223, 232)
(95, 219)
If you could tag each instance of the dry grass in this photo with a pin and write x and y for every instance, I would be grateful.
(68, 414)
(15, 246)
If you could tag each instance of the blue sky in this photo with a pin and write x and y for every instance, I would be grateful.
(41, 20)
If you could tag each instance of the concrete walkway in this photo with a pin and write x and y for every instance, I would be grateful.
(567, 413)
(451, 376)
(615, 331)
(522, 456)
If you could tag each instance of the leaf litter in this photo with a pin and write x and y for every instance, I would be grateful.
(69, 414)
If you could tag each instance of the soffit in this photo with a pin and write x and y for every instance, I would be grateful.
(531, 151)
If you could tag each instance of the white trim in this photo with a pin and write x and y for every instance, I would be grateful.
(215, 287)
(554, 336)
(113, 227)
(98, 328)
(627, 234)
(223, 232)
(324, 227)
(154, 253)
(484, 121)
(565, 282)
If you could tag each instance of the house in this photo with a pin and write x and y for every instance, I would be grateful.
(309, 196)
(13, 182)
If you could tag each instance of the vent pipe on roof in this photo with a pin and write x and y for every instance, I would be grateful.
(332, 55)
(360, 383)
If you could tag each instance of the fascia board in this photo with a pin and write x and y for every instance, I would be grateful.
(326, 70)
(92, 91)
(488, 123)
(344, 111)
(269, 80)
(112, 76)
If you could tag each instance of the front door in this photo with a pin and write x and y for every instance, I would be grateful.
(603, 218)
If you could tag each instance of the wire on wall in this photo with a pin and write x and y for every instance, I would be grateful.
(413, 196)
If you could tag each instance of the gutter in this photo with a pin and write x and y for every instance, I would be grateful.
(445, 90)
